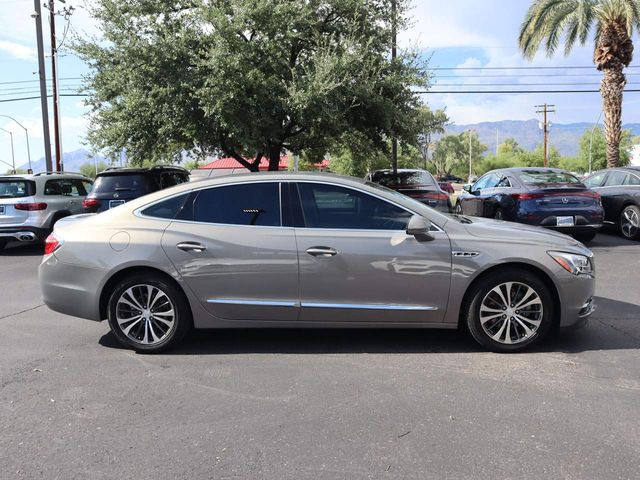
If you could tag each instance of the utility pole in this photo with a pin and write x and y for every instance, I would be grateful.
(394, 54)
(13, 155)
(56, 97)
(546, 109)
(37, 15)
(470, 164)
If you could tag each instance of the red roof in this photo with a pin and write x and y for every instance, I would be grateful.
(230, 163)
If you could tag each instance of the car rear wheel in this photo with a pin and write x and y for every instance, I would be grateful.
(509, 310)
(148, 313)
(630, 222)
(498, 214)
(458, 209)
(3, 243)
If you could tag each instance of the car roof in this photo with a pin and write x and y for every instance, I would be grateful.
(142, 170)
(45, 175)
(400, 170)
(532, 169)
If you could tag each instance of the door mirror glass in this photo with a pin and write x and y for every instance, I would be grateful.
(420, 228)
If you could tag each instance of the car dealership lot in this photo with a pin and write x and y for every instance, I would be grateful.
(319, 404)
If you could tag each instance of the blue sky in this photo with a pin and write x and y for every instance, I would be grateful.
(455, 33)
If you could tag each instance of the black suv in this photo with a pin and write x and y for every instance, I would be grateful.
(117, 185)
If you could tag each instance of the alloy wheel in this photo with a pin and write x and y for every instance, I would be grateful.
(511, 313)
(630, 222)
(145, 314)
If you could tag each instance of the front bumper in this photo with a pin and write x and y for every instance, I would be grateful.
(70, 289)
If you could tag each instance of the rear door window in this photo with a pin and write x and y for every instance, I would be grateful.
(595, 180)
(632, 180)
(10, 188)
(615, 179)
(256, 204)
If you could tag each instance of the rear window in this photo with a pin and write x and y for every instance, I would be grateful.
(16, 188)
(535, 177)
(388, 179)
(134, 183)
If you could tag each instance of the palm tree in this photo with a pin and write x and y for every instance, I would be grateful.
(548, 20)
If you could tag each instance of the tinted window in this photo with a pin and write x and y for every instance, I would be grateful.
(330, 206)
(166, 209)
(488, 181)
(632, 180)
(615, 179)
(137, 183)
(245, 204)
(388, 179)
(595, 180)
(542, 177)
(65, 187)
(16, 188)
(504, 183)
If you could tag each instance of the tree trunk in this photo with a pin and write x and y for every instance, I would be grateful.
(612, 88)
(274, 157)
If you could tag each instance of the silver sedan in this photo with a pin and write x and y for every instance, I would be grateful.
(310, 250)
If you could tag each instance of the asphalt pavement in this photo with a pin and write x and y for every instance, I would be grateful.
(328, 404)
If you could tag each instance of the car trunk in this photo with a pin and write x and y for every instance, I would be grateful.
(563, 197)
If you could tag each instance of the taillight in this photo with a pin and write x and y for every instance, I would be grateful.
(431, 196)
(30, 207)
(90, 202)
(526, 196)
(51, 244)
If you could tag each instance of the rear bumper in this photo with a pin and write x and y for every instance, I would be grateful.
(25, 234)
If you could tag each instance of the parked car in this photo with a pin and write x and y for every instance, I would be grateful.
(30, 205)
(619, 189)
(417, 184)
(547, 197)
(310, 250)
(449, 178)
(117, 185)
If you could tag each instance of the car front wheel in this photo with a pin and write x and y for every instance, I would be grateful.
(458, 209)
(630, 222)
(148, 313)
(509, 310)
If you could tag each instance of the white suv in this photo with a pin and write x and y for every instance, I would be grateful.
(31, 204)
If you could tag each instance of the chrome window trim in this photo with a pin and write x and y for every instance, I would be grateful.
(138, 211)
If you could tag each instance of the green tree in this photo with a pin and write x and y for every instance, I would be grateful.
(548, 22)
(451, 154)
(597, 149)
(246, 78)
(428, 123)
(89, 169)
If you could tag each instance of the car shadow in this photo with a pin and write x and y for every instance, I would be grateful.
(17, 249)
(611, 328)
(610, 238)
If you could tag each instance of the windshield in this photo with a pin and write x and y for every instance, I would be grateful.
(537, 177)
(16, 188)
(388, 179)
(122, 183)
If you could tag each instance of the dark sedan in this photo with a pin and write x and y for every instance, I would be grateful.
(417, 184)
(546, 197)
(620, 192)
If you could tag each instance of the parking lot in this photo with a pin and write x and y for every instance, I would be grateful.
(319, 404)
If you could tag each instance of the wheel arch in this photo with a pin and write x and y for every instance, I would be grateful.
(125, 272)
(539, 272)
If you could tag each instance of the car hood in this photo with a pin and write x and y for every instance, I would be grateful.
(510, 232)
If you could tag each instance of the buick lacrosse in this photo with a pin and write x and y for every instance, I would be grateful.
(310, 250)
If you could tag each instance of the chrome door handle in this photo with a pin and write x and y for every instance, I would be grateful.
(322, 251)
(191, 247)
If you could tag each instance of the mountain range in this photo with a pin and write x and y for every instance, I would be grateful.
(72, 161)
(564, 137)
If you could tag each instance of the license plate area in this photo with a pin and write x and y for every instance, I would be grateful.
(115, 203)
(565, 221)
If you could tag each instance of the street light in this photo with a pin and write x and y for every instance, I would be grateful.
(591, 141)
(26, 132)
(13, 156)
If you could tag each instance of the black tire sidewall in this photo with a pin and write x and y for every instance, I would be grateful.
(637, 210)
(182, 319)
(485, 284)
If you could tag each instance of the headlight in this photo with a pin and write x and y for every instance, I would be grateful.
(573, 262)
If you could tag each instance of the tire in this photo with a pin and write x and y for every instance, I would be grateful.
(585, 237)
(485, 302)
(498, 214)
(458, 209)
(630, 222)
(152, 328)
(3, 243)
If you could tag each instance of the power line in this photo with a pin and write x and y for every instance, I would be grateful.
(591, 67)
(515, 91)
(38, 97)
(520, 84)
(36, 81)
(535, 75)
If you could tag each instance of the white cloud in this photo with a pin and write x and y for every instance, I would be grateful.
(17, 50)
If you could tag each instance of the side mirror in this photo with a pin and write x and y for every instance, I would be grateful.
(467, 188)
(420, 227)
